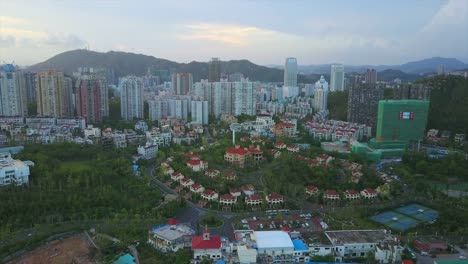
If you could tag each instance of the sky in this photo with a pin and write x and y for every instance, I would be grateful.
(265, 32)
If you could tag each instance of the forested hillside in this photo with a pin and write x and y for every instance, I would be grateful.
(449, 103)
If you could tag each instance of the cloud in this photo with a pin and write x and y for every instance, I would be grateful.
(65, 40)
(229, 34)
(7, 41)
(21, 32)
(453, 13)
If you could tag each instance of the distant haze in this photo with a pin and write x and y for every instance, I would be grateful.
(358, 32)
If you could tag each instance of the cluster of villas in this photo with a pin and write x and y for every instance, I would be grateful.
(278, 246)
(42, 130)
(351, 194)
(334, 130)
(246, 192)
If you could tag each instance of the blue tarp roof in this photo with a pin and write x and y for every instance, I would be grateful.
(125, 259)
(220, 262)
(299, 245)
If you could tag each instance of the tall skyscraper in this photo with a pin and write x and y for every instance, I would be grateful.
(12, 92)
(243, 98)
(402, 120)
(337, 78)
(131, 97)
(214, 70)
(441, 69)
(321, 95)
(363, 103)
(158, 108)
(371, 76)
(412, 91)
(31, 89)
(92, 97)
(199, 112)
(181, 83)
(53, 94)
(290, 72)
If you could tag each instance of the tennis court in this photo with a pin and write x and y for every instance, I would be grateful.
(395, 220)
(406, 217)
(419, 212)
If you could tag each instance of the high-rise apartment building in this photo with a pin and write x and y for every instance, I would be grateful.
(337, 77)
(412, 92)
(290, 72)
(69, 105)
(290, 88)
(363, 103)
(199, 112)
(178, 107)
(53, 94)
(12, 92)
(243, 98)
(158, 109)
(321, 95)
(401, 120)
(214, 70)
(227, 97)
(441, 69)
(131, 97)
(31, 90)
(181, 83)
(370, 76)
(92, 97)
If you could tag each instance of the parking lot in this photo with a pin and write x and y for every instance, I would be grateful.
(274, 220)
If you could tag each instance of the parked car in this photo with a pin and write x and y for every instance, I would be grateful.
(424, 253)
(461, 257)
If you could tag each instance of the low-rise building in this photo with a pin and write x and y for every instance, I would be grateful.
(91, 131)
(459, 138)
(352, 244)
(284, 129)
(253, 200)
(197, 165)
(212, 173)
(171, 236)
(352, 195)
(312, 190)
(293, 148)
(148, 151)
(207, 246)
(331, 195)
(235, 192)
(324, 158)
(230, 175)
(280, 145)
(186, 182)
(197, 188)
(209, 195)
(176, 176)
(275, 153)
(274, 198)
(227, 199)
(248, 189)
(236, 155)
(13, 171)
(369, 193)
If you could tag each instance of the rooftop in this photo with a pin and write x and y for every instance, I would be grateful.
(341, 237)
(299, 245)
(273, 239)
(199, 243)
(171, 232)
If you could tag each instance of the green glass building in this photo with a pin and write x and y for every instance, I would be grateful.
(401, 120)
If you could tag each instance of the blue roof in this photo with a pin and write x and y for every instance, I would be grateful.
(125, 259)
(220, 262)
(299, 245)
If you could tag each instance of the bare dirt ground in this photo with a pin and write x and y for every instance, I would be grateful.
(74, 249)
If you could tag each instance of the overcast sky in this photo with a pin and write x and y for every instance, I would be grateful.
(265, 32)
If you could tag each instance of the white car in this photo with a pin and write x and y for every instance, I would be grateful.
(461, 257)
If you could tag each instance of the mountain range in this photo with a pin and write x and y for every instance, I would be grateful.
(424, 66)
(124, 63)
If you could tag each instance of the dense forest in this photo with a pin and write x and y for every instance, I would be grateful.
(449, 103)
(72, 183)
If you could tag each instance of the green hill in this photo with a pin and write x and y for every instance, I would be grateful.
(125, 63)
(449, 103)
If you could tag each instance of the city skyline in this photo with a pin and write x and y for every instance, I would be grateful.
(337, 32)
